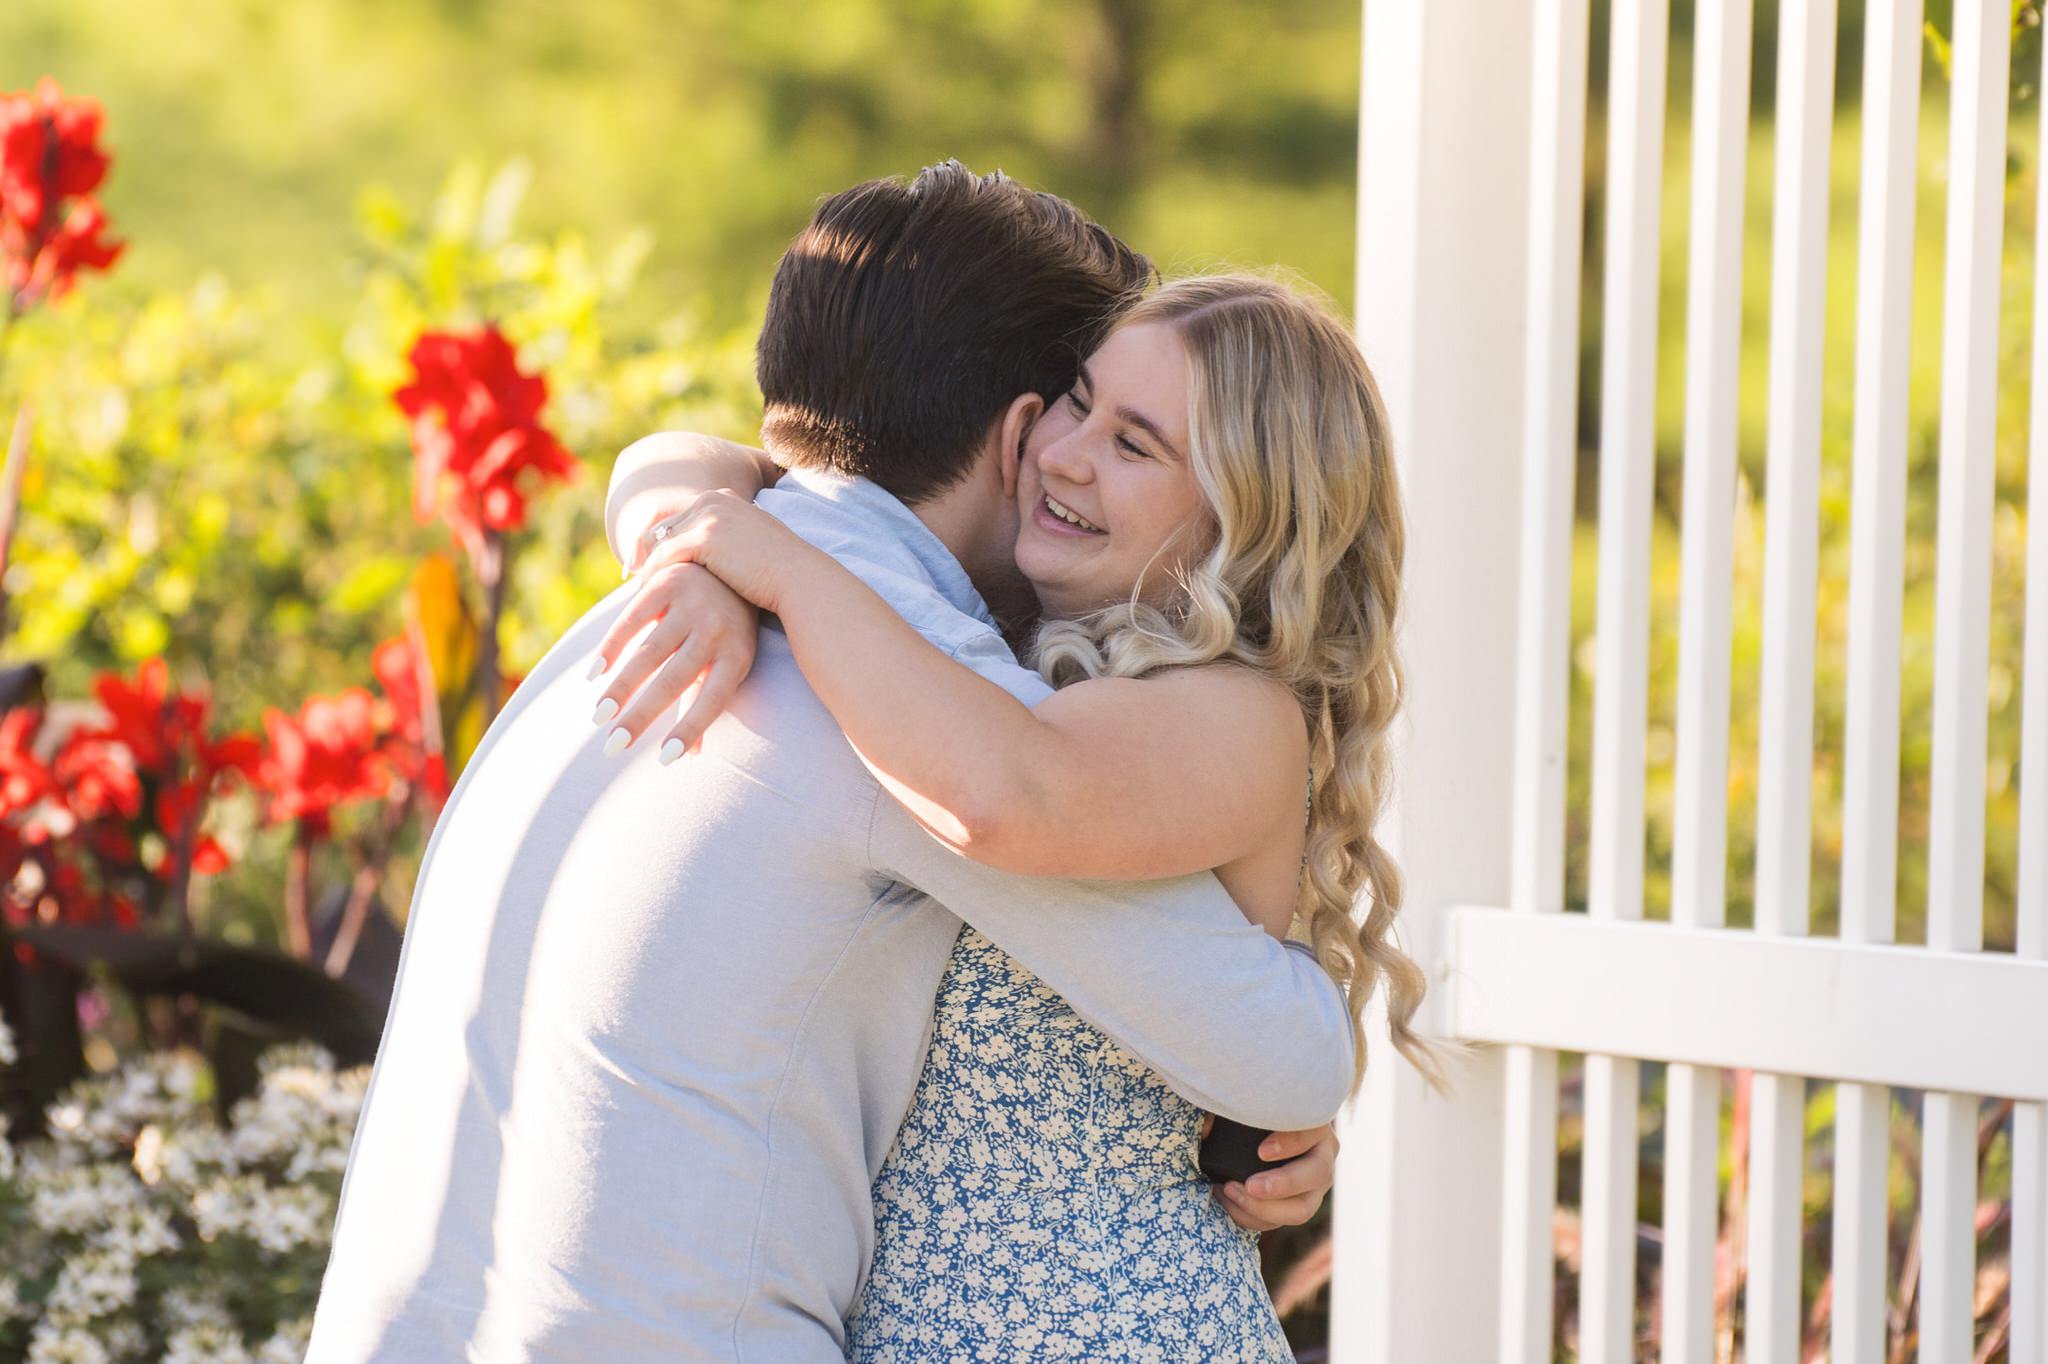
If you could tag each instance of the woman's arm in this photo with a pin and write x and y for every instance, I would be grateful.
(662, 474)
(1111, 778)
(700, 644)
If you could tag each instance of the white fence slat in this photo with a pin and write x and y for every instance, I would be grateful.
(1877, 522)
(1543, 663)
(1635, 156)
(1777, 1129)
(1948, 1228)
(1859, 1268)
(1969, 393)
(2030, 1121)
(1549, 452)
(2029, 1218)
(1882, 1015)
(1713, 355)
(1799, 223)
(1955, 875)
(1720, 131)
(1877, 533)
(1607, 1296)
(1528, 1202)
(1784, 814)
(1692, 1163)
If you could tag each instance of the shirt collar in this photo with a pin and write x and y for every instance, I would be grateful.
(885, 515)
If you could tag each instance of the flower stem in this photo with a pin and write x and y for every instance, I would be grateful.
(374, 852)
(490, 571)
(298, 919)
(11, 476)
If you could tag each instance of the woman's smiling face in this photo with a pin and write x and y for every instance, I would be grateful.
(1107, 491)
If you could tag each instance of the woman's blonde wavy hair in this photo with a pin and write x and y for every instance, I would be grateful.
(1290, 447)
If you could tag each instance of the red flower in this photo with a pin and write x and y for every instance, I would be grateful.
(50, 163)
(323, 757)
(404, 725)
(397, 668)
(98, 777)
(479, 447)
(153, 742)
(24, 781)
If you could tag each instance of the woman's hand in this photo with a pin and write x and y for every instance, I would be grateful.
(660, 475)
(1287, 1195)
(700, 631)
(751, 552)
(661, 510)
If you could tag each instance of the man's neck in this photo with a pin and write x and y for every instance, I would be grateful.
(962, 519)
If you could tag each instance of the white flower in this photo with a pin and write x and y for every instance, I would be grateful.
(136, 1232)
(8, 1055)
(193, 1154)
(205, 1345)
(297, 1215)
(55, 1343)
(10, 1298)
(92, 1284)
(79, 1198)
(227, 1205)
(104, 1114)
(295, 1056)
(184, 1306)
(303, 1113)
(124, 1339)
(289, 1345)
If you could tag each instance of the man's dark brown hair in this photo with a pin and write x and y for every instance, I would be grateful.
(907, 317)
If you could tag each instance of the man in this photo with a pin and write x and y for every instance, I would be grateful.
(656, 1025)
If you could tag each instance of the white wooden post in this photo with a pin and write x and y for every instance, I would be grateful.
(1699, 894)
(1442, 246)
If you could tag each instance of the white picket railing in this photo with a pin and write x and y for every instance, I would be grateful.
(1472, 181)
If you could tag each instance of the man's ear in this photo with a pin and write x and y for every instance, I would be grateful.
(1023, 414)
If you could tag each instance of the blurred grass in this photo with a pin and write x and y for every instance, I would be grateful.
(245, 130)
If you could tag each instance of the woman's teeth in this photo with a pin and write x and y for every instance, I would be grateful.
(1069, 516)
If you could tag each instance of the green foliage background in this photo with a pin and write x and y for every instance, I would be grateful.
(246, 129)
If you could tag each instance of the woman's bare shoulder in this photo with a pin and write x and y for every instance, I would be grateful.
(1232, 707)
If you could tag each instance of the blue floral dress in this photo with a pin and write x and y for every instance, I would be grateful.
(1042, 1200)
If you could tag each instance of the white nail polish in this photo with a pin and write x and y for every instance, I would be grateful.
(606, 709)
(671, 750)
(616, 744)
(596, 669)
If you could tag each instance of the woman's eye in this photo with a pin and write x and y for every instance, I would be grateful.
(1131, 449)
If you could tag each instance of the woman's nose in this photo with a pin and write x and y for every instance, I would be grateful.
(1067, 459)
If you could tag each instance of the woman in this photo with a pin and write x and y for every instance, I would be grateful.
(1211, 523)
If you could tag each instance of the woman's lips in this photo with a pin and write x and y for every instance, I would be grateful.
(1044, 517)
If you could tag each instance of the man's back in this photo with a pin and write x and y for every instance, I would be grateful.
(601, 1017)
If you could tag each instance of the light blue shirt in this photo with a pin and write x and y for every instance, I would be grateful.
(655, 1027)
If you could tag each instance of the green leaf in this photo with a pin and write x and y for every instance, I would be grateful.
(371, 583)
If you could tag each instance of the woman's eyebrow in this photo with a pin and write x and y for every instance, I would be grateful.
(1145, 424)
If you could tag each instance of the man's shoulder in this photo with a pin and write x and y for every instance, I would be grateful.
(867, 549)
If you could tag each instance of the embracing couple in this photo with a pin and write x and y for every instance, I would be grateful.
(878, 1008)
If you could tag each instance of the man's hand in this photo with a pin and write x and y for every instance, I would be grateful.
(1290, 1194)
